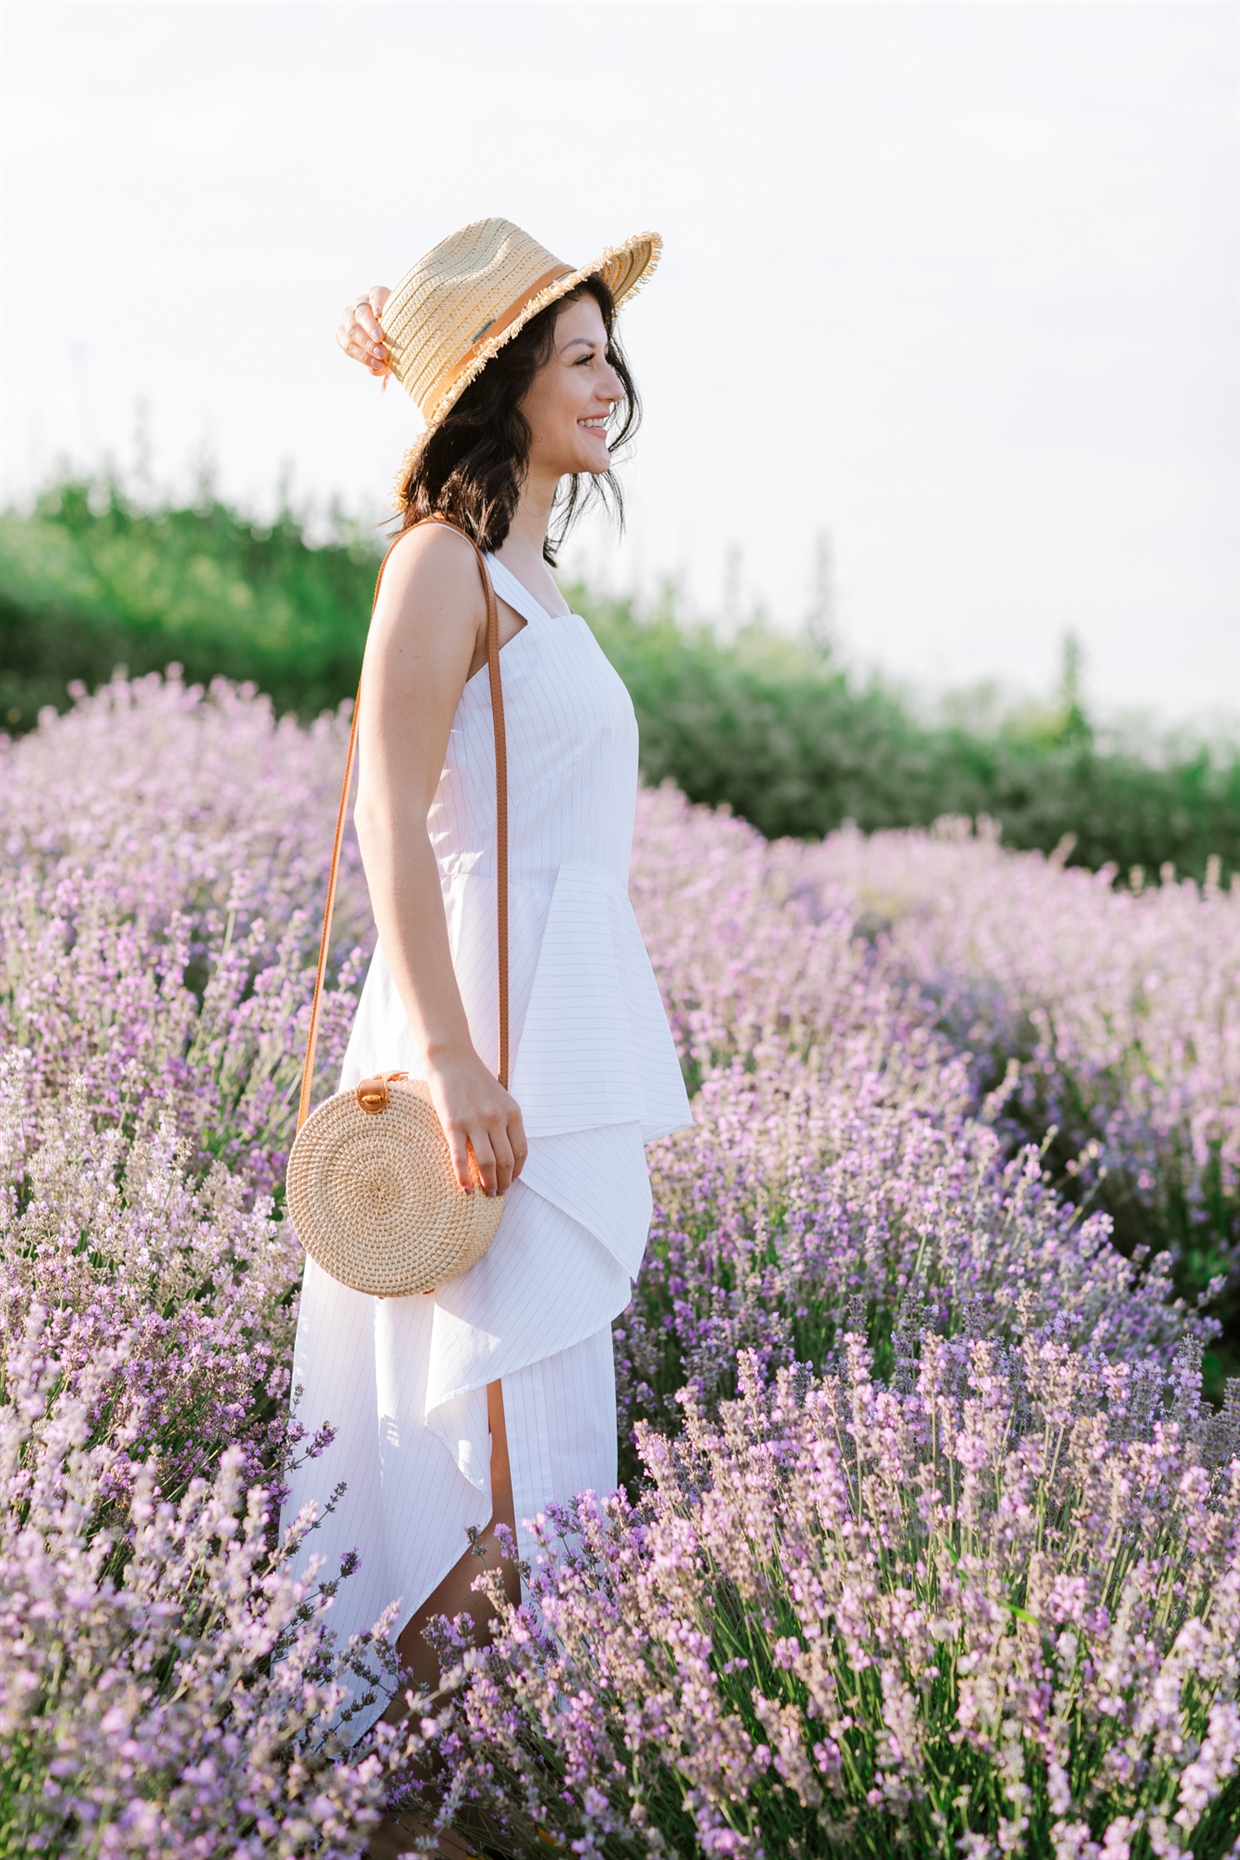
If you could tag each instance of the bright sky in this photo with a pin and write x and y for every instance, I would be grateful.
(955, 284)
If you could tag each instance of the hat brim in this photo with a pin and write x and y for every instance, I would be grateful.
(623, 268)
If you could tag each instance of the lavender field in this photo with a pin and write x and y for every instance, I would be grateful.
(930, 1537)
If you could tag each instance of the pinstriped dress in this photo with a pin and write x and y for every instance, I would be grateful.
(403, 1380)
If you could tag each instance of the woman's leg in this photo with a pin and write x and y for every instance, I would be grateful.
(455, 1595)
(563, 1412)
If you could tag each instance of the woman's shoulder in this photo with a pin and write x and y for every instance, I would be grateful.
(434, 562)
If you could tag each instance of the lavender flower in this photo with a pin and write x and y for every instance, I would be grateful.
(166, 1687)
(967, 1586)
(991, 1607)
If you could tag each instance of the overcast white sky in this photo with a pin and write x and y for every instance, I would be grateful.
(953, 283)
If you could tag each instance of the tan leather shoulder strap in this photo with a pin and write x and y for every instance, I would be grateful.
(501, 836)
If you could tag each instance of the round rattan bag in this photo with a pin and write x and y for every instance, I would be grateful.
(373, 1196)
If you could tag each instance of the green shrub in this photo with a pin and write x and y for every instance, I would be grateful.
(773, 728)
(91, 581)
(770, 726)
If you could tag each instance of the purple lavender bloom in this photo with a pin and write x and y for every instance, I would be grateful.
(930, 1543)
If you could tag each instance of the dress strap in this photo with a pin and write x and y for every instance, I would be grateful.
(515, 592)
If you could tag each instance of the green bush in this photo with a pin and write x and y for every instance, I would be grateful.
(91, 582)
(769, 725)
(773, 728)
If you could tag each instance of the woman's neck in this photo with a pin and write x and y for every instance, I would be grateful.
(522, 548)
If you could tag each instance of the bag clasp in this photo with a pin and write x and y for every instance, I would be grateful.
(373, 1095)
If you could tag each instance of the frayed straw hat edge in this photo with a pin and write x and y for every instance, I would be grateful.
(550, 294)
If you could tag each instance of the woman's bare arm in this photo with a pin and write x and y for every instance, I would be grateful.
(427, 636)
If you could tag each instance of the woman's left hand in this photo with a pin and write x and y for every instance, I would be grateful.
(360, 333)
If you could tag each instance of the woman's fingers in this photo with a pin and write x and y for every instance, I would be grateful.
(461, 1153)
(485, 1159)
(482, 1124)
(504, 1163)
(497, 1154)
(370, 339)
(360, 333)
(493, 1154)
(517, 1140)
(367, 321)
(473, 1159)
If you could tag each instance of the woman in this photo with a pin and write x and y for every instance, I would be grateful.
(485, 1401)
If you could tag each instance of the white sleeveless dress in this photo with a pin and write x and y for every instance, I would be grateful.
(403, 1380)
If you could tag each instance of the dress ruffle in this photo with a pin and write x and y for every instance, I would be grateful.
(595, 1048)
(590, 1040)
(596, 1075)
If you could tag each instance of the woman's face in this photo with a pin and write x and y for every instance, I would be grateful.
(571, 397)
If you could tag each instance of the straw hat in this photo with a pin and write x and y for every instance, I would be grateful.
(471, 293)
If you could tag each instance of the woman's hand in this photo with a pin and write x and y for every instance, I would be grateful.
(360, 333)
(478, 1114)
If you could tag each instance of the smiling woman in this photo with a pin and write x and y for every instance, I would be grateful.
(484, 1402)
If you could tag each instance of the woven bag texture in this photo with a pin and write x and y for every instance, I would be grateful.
(374, 1200)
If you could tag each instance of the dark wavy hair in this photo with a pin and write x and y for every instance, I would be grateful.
(472, 467)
